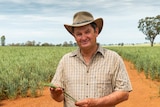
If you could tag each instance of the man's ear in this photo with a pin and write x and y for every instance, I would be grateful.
(96, 31)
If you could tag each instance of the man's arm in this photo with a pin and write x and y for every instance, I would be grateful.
(106, 101)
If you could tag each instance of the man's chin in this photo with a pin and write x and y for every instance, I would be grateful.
(85, 46)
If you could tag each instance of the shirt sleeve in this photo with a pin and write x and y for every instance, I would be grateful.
(58, 76)
(121, 81)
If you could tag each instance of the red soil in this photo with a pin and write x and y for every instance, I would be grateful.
(146, 93)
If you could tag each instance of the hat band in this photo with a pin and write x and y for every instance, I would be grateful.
(82, 22)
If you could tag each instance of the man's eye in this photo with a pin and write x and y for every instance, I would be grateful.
(87, 31)
(78, 34)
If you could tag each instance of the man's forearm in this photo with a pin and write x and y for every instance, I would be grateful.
(113, 99)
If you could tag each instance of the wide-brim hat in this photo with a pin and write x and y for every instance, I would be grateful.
(83, 18)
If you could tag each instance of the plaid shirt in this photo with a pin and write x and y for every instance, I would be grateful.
(105, 74)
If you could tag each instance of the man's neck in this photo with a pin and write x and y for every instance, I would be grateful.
(88, 53)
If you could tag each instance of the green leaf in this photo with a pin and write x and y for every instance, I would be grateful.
(49, 85)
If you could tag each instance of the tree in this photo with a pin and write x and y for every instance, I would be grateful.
(30, 43)
(3, 40)
(65, 43)
(70, 43)
(157, 19)
(150, 26)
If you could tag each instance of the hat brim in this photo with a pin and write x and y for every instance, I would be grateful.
(98, 21)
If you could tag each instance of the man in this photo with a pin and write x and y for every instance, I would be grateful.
(94, 76)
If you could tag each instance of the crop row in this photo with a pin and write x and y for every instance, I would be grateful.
(23, 70)
(145, 59)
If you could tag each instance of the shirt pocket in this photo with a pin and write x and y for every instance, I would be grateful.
(103, 85)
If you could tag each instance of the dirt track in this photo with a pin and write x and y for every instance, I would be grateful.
(146, 93)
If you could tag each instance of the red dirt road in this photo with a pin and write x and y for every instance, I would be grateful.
(146, 93)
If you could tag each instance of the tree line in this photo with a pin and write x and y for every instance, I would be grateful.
(33, 43)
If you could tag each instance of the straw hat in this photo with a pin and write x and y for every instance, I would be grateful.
(83, 18)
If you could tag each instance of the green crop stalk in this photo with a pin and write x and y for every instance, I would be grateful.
(65, 93)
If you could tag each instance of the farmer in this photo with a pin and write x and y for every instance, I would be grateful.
(94, 76)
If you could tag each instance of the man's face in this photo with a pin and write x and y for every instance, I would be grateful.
(85, 36)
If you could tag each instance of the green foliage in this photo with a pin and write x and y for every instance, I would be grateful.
(3, 40)
(150, 26)
(24, 69)
(145, 59)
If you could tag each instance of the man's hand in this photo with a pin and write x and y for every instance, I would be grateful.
(57, 94)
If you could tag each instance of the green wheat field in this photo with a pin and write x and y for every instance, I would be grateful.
(23, 70)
